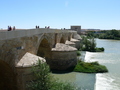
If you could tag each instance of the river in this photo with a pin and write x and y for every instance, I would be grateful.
(100, 81)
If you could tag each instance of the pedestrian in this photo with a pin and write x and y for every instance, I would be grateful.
(13, 27)
(48, 27)
(8, 28)
(36, 26)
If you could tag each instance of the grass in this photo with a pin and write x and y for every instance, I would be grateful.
(93, 67)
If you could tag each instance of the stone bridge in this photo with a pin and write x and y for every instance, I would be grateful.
(20, 49)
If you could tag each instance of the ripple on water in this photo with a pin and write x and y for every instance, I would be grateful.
(110, 80)
(106, 82)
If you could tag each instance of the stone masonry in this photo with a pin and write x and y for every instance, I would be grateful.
(20, 49)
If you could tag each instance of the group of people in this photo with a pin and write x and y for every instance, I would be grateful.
(63, 29)
(47, 27)
(10, 28)
(37, 26)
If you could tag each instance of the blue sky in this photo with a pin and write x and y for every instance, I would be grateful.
(97, 14)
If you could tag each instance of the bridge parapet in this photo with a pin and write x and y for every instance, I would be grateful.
(5, 35)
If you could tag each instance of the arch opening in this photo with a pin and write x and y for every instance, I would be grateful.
(44, 49)
(7, 77)
(72, 36)
(62, 40)
(69, 38)
(55, 38)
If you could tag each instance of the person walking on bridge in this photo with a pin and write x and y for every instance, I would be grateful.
(13, 27)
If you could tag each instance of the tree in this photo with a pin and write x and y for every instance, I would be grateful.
(86, 42)
(92, 45)
(42, 81)
(45, 81)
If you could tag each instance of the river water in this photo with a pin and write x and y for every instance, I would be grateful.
(100, 81)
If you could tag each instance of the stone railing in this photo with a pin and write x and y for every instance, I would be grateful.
(28, 32)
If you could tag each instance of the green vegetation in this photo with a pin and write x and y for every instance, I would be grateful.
(99, 49)
(89, 45)
(43, 80)
(111, 34)
(93, 67)
(105, 34)
(78, 53)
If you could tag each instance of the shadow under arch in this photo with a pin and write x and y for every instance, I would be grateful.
(69, 38)
(44, 49)
(72, 36)
(62, 40)
(7, 77)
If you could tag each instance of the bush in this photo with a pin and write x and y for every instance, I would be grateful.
(93, 67)
(58, 85)
(99, 49)
(89, 45)
(45, 81)
(78, 53)
(95, 63)
(102, 49)
(42, 80)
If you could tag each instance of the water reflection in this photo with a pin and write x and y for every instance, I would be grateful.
(83, 80)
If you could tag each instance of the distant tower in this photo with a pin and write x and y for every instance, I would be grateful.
(76, 28)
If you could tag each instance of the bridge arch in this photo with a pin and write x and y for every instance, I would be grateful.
(55, 38)
(62, 40)
(72, 35)
(7, 77)
(69, 38)
(44, 47)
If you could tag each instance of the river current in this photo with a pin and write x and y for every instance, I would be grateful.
(100, 81)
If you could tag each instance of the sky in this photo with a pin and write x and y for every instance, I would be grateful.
(89, 14)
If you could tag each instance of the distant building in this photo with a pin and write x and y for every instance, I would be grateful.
(76, 28)
(85, 31)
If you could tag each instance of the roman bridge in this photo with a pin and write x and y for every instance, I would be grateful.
(20, 49)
